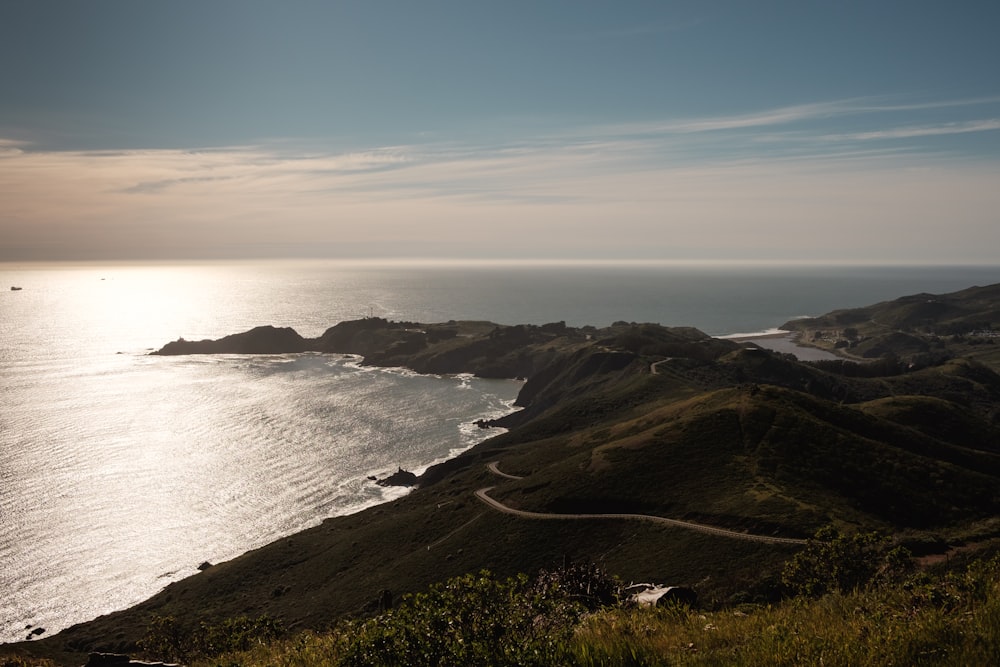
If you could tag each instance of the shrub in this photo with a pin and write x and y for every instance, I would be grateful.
(586, 583)
(167, 639)
(832, 562)
(469, 620)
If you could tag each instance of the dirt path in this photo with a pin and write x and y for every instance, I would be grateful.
(483, 495)
(444, 539)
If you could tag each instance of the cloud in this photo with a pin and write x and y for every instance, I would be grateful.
(779, 116)
(11, 147)
(240, 164)
(705, 189)
(910, 132)
(785, 115)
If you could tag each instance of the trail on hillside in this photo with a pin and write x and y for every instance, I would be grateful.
(483, 495)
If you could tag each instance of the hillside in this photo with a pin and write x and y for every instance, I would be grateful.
(919, 328)
(633, 419)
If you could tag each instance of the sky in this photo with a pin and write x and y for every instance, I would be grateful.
(755, 130)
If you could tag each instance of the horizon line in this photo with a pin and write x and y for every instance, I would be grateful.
(512, 261)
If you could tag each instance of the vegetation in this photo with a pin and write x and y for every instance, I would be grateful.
(167, 638)
(837, 563)
(20, 661)
(948, 618)
(953, 620)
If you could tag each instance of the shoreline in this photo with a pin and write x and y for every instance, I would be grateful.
(470, 436)
(787, 342)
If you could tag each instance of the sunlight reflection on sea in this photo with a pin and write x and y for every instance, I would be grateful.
(122, 472)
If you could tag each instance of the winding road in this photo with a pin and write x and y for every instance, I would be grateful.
(654, 368)
(483, 495)
(492, 466)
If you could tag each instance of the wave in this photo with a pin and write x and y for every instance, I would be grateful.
(754, 334)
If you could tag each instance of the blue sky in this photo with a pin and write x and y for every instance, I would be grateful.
(798, 130)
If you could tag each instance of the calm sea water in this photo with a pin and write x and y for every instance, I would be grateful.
(121, 472)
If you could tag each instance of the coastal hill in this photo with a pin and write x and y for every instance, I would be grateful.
(747, 451)
(919, 328)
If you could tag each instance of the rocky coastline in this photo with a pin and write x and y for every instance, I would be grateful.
(629, 419)
(540, 353)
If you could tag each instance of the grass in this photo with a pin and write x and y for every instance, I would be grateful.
(858, 629)
(946, 619)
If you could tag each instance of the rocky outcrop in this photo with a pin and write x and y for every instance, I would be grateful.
(399, 478)
(259, 340)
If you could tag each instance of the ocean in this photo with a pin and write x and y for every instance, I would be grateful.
(121, 472)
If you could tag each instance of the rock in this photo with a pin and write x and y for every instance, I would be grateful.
(204, 566)
(399, 478)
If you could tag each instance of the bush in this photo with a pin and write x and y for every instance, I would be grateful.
(832, 562)
(470, 620)
(168, 639)
(585, 583)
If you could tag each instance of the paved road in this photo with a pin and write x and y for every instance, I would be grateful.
(654, 367)
(483, 495)
(496, 471)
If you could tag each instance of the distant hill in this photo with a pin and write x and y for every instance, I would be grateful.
(632, 419)
(917, 328)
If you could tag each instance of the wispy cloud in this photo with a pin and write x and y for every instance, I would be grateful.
(534, 168)
(909, 132)
(786, 115)
(691, 184)
(11, 146)
(874, 105)
(248, 164)
(779, 116)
